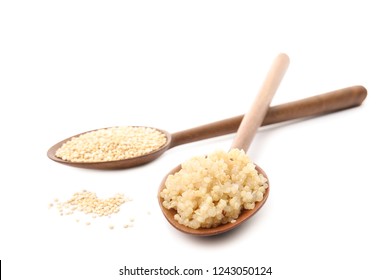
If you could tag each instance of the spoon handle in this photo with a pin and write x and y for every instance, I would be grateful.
(321, 104)
(255, 116)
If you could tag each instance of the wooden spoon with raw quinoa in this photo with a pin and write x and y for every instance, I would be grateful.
(125, 147)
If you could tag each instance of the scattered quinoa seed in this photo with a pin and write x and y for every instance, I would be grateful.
(88, 203)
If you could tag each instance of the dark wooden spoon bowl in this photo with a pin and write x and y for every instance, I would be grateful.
(114, 164)
(169, 214)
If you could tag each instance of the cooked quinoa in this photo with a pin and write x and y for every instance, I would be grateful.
(212, 190)
(109, 144)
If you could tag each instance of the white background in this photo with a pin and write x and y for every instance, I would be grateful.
(72, 66)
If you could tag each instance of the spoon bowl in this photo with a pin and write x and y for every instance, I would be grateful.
(311, 106)
(169, 214)
(114, 164)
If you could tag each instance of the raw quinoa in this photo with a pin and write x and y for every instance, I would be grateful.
(109, 144)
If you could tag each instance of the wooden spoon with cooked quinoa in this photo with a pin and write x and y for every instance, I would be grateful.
(212, 194)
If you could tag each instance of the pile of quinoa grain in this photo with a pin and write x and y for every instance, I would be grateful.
(213, 190)
(110, 144)
(88, 203)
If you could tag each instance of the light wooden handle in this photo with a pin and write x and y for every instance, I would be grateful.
(255, 116)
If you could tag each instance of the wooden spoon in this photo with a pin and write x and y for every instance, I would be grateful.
(245, 134)
(312, 106)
